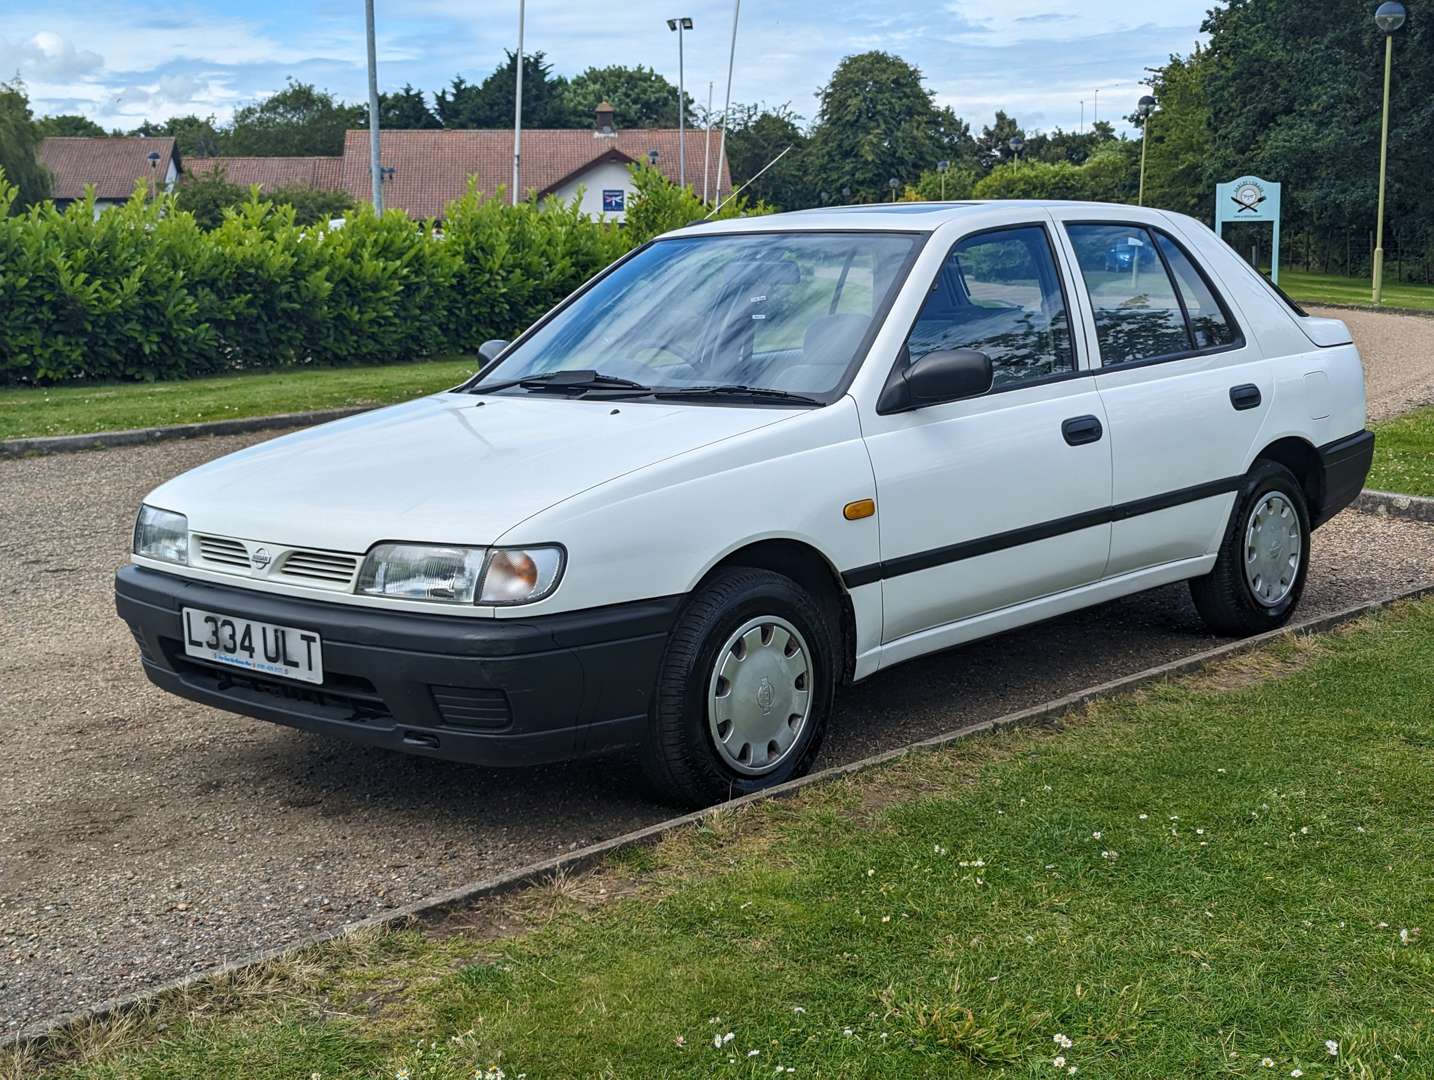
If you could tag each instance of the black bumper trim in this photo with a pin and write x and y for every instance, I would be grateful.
(1345, 464)
(575, 684)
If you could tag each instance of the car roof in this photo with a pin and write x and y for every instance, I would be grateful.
(903, 216)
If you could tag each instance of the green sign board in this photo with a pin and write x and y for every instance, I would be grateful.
(1251, 199)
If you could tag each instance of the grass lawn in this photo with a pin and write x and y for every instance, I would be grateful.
(1228, 876)
(1331, 289)
(80, 410)
(1404, 454)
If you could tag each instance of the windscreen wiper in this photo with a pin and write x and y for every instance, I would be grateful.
(738, 392)
(578, 382)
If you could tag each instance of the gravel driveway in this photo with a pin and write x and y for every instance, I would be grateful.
(142, 836)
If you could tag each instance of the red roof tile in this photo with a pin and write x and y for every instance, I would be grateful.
(431, 168)
(113, 164)
(323, 173)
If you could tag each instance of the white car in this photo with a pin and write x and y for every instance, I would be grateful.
(755, 460)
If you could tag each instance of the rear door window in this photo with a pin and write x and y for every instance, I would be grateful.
(1138, 314)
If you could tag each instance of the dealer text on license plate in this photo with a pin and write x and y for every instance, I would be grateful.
(262, 648)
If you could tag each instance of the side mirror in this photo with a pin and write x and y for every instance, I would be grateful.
(939, 377)
(489, 350)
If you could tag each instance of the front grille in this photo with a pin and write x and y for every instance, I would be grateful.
(223, 551)
(332, 570)
(472, 709)
(319, 566)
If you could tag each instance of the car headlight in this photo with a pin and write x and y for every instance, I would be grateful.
(161, 534)
(521, 575)
(461, 575)
(422, 572)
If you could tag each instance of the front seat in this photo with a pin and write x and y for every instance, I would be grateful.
(827, 350)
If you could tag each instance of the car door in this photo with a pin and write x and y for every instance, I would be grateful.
(1184, 392)
(999, 499)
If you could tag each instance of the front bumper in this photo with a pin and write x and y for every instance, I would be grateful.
(1345, 463)
(487, 691)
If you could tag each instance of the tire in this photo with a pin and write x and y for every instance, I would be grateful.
(685, 758)
(1227, 598)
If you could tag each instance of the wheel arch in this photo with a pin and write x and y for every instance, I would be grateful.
(1299, 455)
(810, 568)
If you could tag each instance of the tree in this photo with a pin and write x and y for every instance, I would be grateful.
(994, 145)
(755, 137)
(1293, 93)
(311, 205)
(68, 125)
(299, 120)
(1180, 150)
(406, 109)
(876, 122)
(207, 195)
(19, 141)
(1075, 147)
(490, 103)
(639, 97)
(194, 136)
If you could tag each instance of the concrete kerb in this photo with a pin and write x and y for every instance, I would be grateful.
(104, 440)
(1393, 504)
(584, 858)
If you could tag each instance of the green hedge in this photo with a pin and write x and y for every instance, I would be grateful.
(142, 292)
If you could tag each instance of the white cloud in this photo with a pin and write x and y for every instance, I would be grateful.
(47, 55)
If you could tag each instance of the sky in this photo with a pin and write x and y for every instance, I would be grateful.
(121, 61)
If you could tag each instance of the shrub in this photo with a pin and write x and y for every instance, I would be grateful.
(147, 291)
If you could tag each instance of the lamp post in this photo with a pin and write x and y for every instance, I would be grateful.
(153, 159)
(1389, 18)
(1145, 109)
(680, 25)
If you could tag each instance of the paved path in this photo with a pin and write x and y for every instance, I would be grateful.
(142, 837)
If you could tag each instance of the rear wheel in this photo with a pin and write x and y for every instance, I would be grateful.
(745, 689)
(1260, 573)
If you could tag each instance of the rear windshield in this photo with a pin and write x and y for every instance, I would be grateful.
(780, 311)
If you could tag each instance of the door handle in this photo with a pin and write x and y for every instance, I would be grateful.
(1245, 397)
(1079, 430)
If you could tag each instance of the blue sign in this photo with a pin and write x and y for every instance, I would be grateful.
(613, 200)
(1251, 199)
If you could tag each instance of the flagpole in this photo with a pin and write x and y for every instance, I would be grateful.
(727, 103)
(518, 106)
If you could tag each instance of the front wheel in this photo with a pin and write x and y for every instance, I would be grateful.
(1260, 573)
(745, 689)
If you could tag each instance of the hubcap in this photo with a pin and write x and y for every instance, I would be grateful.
(760, 695)
(1272, 549)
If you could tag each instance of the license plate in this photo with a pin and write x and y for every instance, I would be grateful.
(262, 648)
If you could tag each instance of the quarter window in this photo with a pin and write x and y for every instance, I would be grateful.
(999, 293)
(1209, 326)
(1137, 312)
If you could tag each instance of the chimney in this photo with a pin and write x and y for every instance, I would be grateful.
(603, 125)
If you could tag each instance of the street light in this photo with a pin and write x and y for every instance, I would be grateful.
(1389, 18)
(1145, 109)
(941, 167)
(680, 25)
(153, 158)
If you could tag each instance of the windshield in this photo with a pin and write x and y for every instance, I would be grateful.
(772, 311)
